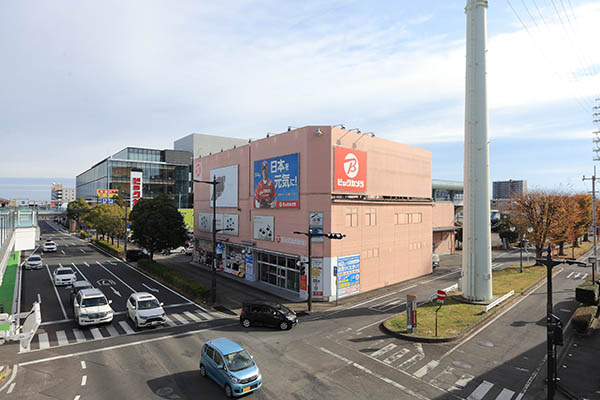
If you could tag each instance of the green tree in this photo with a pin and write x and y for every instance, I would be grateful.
(504, 232)
(76, 210)
(157, 224)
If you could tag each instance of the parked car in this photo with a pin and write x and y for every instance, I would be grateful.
(49, 246)
(34, 262)
(267, 314)
(91, 307)
(145, 310)
(189, 250)
(63, 276)
(435, 260)
(77, 286)
(136, 254)
(230, 365)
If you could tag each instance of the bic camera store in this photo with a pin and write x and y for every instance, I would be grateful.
(375, 191)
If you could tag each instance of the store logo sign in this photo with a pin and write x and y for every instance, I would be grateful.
(135, 187)
(350, 170)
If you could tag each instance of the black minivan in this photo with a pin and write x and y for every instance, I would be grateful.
(267, 314)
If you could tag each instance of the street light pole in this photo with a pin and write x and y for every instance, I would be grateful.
(214, 238)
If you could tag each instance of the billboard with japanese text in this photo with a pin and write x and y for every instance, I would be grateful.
(276, 182)
(348, 269)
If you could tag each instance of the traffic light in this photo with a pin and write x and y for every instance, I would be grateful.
(302, 266)
(335, 235)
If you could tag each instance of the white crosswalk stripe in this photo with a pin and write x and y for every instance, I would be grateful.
(464, 380)
(96, 333)
(112, 330)
(170, 321)
(126, 327)
(43, 341)
(384, 350)
(481, 390)
(396, 356)
(61, 337)
(205, 315)
(505, 395)
(193, 317)
(79, 336)
(178, 318)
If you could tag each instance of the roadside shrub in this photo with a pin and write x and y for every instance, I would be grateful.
(185, 285)
(583, 317)
(84, 235)
(587, 294)
(110, 248)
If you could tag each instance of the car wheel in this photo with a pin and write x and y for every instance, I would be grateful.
(182, 251)
(228, 391)
(246, 323)
(202, 371)
(283, 326)
(135, 321)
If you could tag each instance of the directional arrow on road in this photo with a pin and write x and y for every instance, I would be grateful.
(149, 288)
(115, 291)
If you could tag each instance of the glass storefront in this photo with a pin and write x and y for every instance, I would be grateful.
(279, 270)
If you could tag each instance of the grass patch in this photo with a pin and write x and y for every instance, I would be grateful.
(7, 289)
(175, 280)
(111, 248)
(455, 316)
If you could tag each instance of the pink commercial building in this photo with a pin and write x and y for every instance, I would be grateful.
(375, 191)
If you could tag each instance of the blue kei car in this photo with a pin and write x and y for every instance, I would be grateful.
(228, 364)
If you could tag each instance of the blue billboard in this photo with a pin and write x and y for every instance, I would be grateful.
(276, 182)
(348, 271)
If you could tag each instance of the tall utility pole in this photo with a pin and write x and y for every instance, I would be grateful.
(477, 253)
(594, 227)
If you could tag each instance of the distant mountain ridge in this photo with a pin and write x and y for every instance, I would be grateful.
(31, 188)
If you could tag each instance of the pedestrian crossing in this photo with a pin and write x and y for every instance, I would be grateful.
(45, 340)
(411, 359)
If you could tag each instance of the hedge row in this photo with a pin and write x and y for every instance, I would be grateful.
(110, 248)
(587, 294)
(173, 278)
(85, 235)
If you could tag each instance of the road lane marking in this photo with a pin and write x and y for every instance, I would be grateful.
(505, 395)
(372, 373)
(192, 316)
(481, 391)
(79, 336)
(126, 327)
(464, 380)
(112, 330)
(384, 350)
(169, 321)
(61, 336)
(56, 291)
(205, 316)
(96, 333)
(63, 251)
(178, 318)
(83, 366)
(81, 273)
(77, 397)
(396, 356)
(83, 380)
(584, 276)
(86, 264)
(115, 291)
(12, 377)
(119, 279)
(149, 288)
(568, 276)
(374, 323)
(83, 251)
(411, 361)
(44, 341)
(10, 389)
(576, 275)
(120, 346)
(426, 369)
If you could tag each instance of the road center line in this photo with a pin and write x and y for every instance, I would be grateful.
(56, 291)
(83, 380)
(83, 366)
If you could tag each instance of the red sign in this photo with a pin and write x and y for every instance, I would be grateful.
(441, 295)
(135, 187)
(303, 283)
(350, 172)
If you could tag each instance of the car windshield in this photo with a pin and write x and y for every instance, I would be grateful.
(94, 301)
(64, 272)
(238, 361)
(148, 304)
(49, 243)
(282, 308)
(35, 258)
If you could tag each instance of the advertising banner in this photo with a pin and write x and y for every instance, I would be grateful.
(315, 222)
(249, 265)
(224, 221)
(276, 182)
(350, 171)
(135, 187)
(317, 278)
(227, 188)
(263, 227)
(348, 270)
(230, 221)
(411, 313)
(198, 168)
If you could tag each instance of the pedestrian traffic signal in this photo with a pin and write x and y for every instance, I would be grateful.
(335, 235)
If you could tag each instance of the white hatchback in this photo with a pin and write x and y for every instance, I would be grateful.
(145, 310)
(63, 276)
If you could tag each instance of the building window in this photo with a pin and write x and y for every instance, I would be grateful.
(351, 217)
(370, 216)
(416, 218)
(401, 218)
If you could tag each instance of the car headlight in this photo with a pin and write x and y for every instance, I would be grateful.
(235, 380)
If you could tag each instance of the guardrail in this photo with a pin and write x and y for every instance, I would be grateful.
(498, 301)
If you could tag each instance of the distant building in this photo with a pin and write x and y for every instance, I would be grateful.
(201, 145)
(509, 189)
(60, 194)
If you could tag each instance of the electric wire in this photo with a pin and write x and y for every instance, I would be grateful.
(583, 102)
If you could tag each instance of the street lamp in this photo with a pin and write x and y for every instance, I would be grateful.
(553, 323)
(310, 234)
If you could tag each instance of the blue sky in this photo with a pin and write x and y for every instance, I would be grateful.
(82, 80)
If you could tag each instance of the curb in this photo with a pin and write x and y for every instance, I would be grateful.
(471, 328)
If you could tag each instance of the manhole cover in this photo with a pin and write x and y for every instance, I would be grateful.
(165, 391)
(461, 364)
(486, 343)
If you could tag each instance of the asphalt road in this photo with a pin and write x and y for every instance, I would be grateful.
(339, 353)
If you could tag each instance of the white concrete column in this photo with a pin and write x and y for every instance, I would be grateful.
(477, 255)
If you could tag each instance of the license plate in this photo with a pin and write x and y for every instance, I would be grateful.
(246, 389)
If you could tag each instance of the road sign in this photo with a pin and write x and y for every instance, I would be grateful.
(441, 296)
